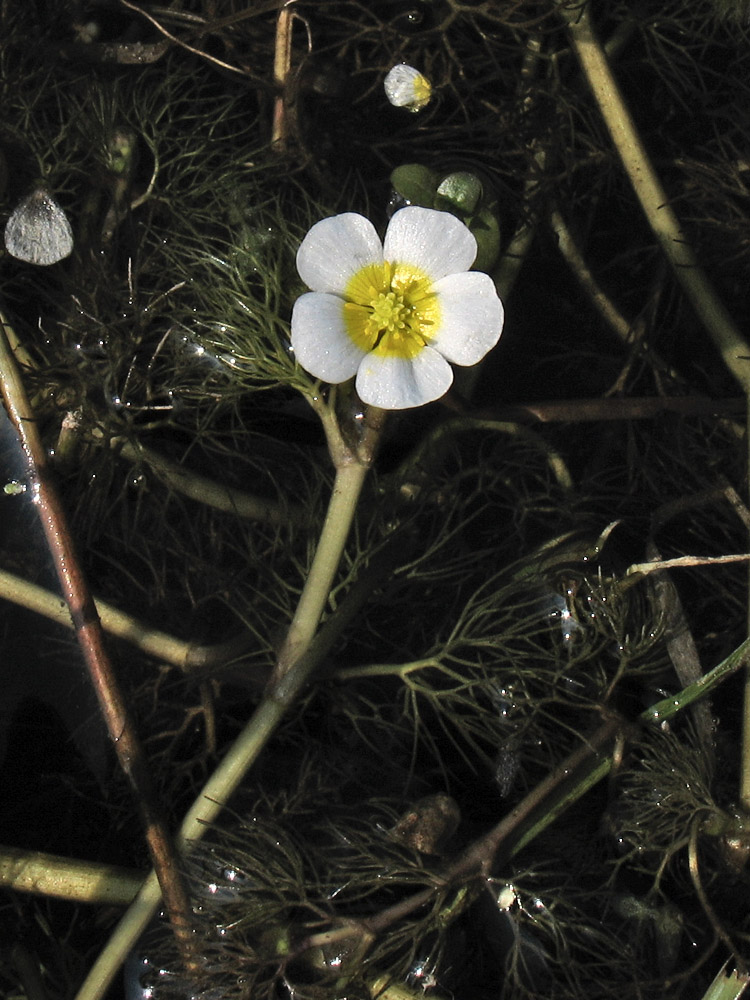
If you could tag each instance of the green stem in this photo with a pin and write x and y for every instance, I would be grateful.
(208, 491)
(297, 662)
(652, 196)
(77, 881)
(350, 478)
(745, 748)
(159, 645)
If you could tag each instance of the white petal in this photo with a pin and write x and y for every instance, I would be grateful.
(395, 383)
(335, 249)
(319, 338)
(471, 317)
(405, 87)
(437, 242)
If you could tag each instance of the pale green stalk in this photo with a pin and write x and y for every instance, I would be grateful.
(654, 201)
(208, 491)
(64, 878)
(297, 661)
(653, 198)
(158, 644)
(727, 985)
(161, 646)
(350, 478)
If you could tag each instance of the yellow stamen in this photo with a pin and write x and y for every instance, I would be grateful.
(391, 309)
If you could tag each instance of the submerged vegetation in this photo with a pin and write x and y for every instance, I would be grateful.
(449, 702)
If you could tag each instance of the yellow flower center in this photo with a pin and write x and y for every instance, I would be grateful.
(391, 309)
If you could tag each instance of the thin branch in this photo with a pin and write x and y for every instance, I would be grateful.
(653, 199)
(700, 892)
(644, 568)
(635, 408)
(298, 660)
(209, 492)
(77, 881)
(577, 263)
(177, 41)
(91, 641)
(161, 646)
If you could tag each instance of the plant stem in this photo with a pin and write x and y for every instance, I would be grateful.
(64, 878)
(159, 645)
(207, 491)
(745, 748)
(352, 465)
(346, 490)
(652, 196)
(91, 642)
(302, 653)
(654, 201)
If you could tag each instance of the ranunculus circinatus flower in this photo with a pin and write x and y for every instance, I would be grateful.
(393, 314)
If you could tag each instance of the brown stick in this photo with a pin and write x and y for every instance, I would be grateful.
(91, 641)
(635, 408)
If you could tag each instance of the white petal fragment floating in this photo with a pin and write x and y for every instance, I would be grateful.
(38, 230)
(393, 315)
(406, 87)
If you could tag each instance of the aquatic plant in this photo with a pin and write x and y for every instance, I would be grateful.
(444, 700)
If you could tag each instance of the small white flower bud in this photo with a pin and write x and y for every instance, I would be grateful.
(405, 87)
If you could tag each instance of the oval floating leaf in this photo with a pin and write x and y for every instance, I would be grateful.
(415, 183)
(461, 190)
(486, 230)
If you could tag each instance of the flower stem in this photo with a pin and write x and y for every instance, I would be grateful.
(301, 656)
(343, 503)
(352, 465)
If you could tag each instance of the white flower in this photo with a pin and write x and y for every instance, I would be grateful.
(405, 87)
(393, 314)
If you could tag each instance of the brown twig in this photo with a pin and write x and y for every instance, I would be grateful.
(91, 641)
(644, 568)
(282, 75)
(477, 860)
(694, 868)
(636, 408)
(178, 41)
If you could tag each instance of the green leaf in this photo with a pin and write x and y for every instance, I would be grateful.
(415, 183)
(486, 230)
(461, 190)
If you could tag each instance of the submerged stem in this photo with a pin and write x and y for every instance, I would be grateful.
(352, 466)
(297, 661)
(89, 634)
(745, 746)
(652, 196)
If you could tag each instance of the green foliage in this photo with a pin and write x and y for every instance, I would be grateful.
(462, 194)
(481, 627)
